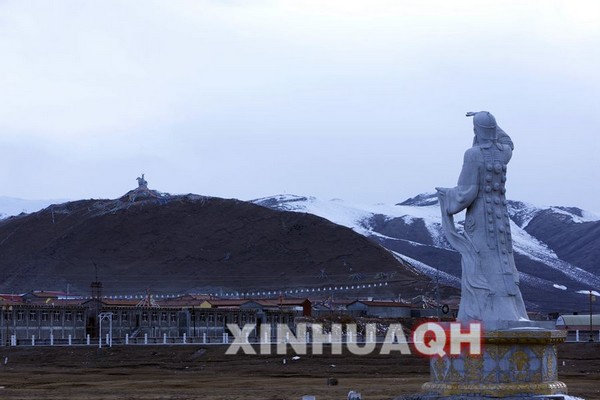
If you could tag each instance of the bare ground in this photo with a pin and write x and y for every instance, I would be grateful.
(200, 372)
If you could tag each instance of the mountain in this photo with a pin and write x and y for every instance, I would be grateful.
(14, 206)
(557, 249)
(190, 243)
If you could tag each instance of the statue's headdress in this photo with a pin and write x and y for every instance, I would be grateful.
(484, 125)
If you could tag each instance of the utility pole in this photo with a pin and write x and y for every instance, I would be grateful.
(591, 324)
(437, 294)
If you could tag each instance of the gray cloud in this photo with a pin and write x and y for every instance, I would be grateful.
(351, 99)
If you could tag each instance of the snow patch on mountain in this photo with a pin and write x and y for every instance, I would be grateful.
(576, 215)
(444, 278)
(335, 210)
(355, 215)
(425, 208)
(561, 287)
(522, 213)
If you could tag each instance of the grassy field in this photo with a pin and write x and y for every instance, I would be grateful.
(197, 372)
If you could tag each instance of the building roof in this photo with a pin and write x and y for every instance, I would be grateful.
(58, 298)
(221, 303)
(375, 303)
(580, 320)
(11, 298)
(50, 294)
(279, 302)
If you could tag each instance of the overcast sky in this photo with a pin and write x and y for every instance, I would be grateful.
(359, 100)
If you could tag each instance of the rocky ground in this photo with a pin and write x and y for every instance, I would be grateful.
(200, 372)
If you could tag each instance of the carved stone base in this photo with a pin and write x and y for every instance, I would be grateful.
(519, 363)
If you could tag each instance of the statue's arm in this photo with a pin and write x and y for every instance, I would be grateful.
(465, 192)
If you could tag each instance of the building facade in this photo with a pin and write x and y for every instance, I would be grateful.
(54, 317)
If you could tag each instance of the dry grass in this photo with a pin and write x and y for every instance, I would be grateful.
(194, 372)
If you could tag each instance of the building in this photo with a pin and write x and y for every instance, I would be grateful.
(41, 318)
(379, 309)
(578, 327)
(49, 317)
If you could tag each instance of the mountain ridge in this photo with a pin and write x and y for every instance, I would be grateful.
(191, 243)
(557, 248)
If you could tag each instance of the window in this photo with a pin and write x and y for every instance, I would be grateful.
(173, 317)
(145, 316)
(21, 315)
(124, 315)
(154, 316)
(32, 315)
(57, 316)
(45, 316)
(79, 316)
(7, 315)
(68, 316)
(202, 317)
(163, 316)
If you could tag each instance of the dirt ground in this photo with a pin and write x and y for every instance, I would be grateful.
(201, 372)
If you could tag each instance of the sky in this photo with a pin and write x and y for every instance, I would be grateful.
(359, 100)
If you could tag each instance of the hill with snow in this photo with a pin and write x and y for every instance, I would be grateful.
(557, 249)
(174, 244)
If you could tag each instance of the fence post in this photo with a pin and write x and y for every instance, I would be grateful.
(145, 338)
(70, 340)
(127, 338)
(87, 339)
(51, 340)
(33, 340)
(164, 338)
(184, 338)
(13, 340)
(204, 338)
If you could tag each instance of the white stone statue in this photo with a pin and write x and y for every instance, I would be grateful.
(490, 280)
(142, 183)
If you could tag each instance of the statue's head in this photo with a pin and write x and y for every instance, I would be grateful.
(484, 125)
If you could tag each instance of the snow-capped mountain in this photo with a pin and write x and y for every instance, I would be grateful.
(13, 206)
(557, 249)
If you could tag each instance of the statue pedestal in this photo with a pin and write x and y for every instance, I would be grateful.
(514, 364)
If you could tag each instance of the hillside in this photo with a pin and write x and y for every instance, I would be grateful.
(190, 243)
